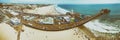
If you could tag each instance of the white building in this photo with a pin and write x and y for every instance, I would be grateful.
(28, 17)
(15, 21)
(48, 20)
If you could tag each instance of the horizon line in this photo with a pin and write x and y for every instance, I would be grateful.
(57, 4)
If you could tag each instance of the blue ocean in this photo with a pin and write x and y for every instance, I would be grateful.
(89, 9)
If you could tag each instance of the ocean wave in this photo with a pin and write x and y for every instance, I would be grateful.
(104, 26)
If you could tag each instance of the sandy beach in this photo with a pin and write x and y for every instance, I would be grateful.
(8, 33)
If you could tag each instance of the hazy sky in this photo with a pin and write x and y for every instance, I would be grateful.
(63, 1)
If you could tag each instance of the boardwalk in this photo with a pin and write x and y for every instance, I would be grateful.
(57, 27)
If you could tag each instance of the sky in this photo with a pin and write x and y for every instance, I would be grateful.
(62, 1)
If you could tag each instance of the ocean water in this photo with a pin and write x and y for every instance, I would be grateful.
(108, 24)
(89, 9)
